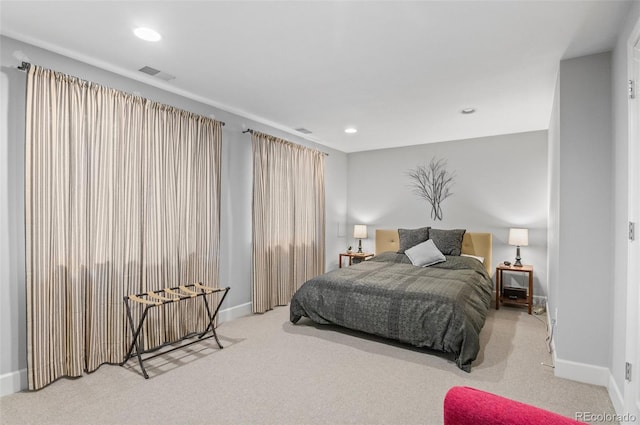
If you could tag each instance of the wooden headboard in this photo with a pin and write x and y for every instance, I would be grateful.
(479, 244)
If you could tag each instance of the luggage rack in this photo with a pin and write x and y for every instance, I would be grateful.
(164, 296)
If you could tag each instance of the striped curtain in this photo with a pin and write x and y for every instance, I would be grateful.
(288, 219)
(122, 197)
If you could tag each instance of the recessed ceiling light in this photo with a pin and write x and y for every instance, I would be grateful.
(147, 34)
(350, 130)
(467, 111)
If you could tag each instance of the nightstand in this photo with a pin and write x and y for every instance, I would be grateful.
(353, 255)
(501, 298)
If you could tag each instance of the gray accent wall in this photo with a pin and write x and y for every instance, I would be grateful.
(500, 182)
(236, 196)
(13, 360)
(581, 214)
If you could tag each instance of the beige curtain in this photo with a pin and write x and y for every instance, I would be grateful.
(288, 219)
(122, 197)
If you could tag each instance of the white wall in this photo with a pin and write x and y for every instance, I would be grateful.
(235, 255)
(582, 218)
(500, 182)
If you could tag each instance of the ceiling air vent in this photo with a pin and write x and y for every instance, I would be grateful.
(303, 130)
(149, 70)
(157, 73)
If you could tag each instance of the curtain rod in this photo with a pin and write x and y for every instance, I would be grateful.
(250, 130)
(24, 66)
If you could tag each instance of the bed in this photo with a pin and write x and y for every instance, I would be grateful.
(442, 306)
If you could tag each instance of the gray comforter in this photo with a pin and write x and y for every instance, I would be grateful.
(442, 307)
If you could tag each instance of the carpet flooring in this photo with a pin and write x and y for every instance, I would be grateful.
(274, 372)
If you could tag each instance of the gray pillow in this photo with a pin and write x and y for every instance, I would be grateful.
(411, 237)
(425, 254)
(449, 242)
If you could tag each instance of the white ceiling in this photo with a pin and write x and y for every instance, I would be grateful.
(400, 71)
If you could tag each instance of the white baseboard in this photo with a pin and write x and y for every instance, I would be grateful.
(234, 312)
(615, 395)
(589, 374)
(13, 382)
(17, 381)
(581, 372)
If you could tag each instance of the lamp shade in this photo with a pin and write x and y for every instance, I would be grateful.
(360, 231)
(519, 237)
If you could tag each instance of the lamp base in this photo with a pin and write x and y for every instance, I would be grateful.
(359, 246)
(518, 263)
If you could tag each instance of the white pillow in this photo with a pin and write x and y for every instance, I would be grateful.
(481, 259)
(425, 254)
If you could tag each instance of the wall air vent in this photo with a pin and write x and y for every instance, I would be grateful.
(157, 73)
(303, 130)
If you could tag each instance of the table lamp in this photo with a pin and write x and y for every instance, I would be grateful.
(360, 232)
(518, 237)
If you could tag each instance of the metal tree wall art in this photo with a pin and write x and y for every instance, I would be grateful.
(433, 183)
